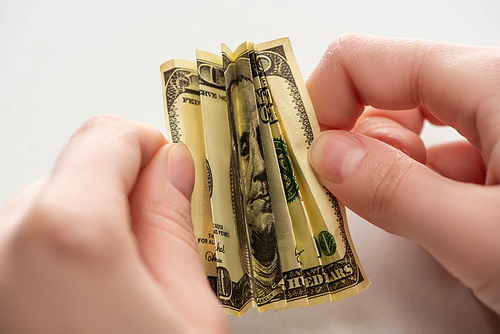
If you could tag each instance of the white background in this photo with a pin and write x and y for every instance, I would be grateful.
(62, 62)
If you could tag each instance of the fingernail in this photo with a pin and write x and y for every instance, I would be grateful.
(335, 155)
(180, 169)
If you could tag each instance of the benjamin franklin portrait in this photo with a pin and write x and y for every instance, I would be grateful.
(255, 187)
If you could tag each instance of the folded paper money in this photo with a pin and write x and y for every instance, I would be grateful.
(269, 234)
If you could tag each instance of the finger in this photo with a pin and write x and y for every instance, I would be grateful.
(400, 129)
(80, 229)
(96, 171)
(161, 215)
(458, 84)
(429, 116)
(404, 197)
(459, 161)
(412, 119)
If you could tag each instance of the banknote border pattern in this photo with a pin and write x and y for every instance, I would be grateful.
(243, 288)
(356, 277)
(283, 70)
(280, 67)
(180, 79)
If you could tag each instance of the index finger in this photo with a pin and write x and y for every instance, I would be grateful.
(458, 84)
(91, 181)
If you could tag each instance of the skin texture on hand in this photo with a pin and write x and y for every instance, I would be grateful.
(371, 96)
(105, 242)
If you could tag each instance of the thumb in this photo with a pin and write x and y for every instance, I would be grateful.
(378, 182)
(404, 197)
(161, 213)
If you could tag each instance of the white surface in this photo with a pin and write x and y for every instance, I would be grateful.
(62, 62)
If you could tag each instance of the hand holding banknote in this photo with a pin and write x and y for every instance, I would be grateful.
(451, 206)
(87, 248)
(104, 244)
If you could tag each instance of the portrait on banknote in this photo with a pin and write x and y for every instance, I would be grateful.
(276, 239)
(257, 198)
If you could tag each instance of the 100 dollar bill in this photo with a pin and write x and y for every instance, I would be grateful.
(341, 266)
(269, 234)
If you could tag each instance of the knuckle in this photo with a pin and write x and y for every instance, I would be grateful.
(98, 124)
(98, 121)
(349, 40)
(101, 124)
(344, 43)
(386, 184)
(122, 130)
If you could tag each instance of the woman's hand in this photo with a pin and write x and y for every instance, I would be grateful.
(105, 243)
(446, 198)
